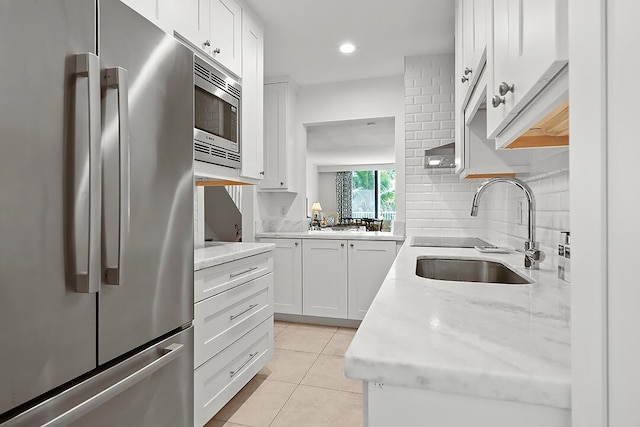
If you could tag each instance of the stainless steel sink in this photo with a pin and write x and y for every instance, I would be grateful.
(468, 270)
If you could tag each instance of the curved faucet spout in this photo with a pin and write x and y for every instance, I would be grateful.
(532, 254)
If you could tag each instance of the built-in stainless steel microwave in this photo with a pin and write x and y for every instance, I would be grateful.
(216, 134)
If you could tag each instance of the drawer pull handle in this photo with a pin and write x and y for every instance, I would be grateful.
(232, 275)
(251, 356)
(251, 307)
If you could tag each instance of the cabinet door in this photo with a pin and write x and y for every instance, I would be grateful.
(498, 68)
(324, 278)
(226, 33)
(252, 98)
(530, 47)
(287, 273)
(190, 18)
(369, 264)
(540, 45)
(275, 136)
(461, 87)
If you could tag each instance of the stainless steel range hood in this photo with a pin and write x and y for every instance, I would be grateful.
(443, 157)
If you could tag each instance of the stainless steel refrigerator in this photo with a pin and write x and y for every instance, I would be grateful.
(96, 217)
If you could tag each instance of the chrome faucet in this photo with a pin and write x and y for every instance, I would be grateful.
(532, 253)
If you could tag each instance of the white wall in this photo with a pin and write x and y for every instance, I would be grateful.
(360, 99)
(438, 202)
(327, 191)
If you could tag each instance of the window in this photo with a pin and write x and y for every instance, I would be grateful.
(373, 194)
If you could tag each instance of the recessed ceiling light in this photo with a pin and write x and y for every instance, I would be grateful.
(347, 48)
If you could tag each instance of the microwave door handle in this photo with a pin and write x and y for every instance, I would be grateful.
(86, 162)
(117, 78)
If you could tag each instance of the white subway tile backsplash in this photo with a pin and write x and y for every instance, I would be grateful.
(431, 90)
(438, 202)
(431, 108)
(412, 91)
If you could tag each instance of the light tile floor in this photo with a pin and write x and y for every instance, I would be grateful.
(302, 386)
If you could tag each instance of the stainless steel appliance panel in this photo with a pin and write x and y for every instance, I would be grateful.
(149, 242)
(149, 388)
(48, 331)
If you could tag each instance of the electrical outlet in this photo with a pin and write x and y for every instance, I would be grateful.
(283, 210)
(519, 213)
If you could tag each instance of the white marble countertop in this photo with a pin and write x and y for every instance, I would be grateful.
(221, 252)
(507, 342)
(327, 234)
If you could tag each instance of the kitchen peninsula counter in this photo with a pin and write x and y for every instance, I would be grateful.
(332, 234)
(216, 253)
(494, 341)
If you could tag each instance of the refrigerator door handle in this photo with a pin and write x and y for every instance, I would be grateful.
(170, 353)
(85, 209)
(117, 78)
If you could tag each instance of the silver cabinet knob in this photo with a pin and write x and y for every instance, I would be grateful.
(216, 50)
(262, 173)
(505, 88)
(296, 243)
(342, 244)
(206, 43)
(467, 71)
(497, 100)
(351, 245)
(464, 79)
(281, 183)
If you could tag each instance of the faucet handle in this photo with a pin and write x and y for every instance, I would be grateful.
(532, 255)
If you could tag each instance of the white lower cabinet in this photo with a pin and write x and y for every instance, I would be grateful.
(369, 263)
(387, 405)
(224, 375)
(340, 277)
(233, 330)
(324, 278)
(287, 275)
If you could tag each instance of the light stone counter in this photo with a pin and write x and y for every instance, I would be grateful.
(336, 235)
(506, 342)
(221, 252)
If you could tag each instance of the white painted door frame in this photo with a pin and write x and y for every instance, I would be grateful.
(604, 209)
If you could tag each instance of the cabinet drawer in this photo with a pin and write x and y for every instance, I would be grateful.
(223, 318)
(222, 376)
(212, 281)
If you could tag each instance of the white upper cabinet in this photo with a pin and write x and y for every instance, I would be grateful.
(529, 48)
(279, 100)
(474, 16)
(225, 29)
(471, 22)
(252, 98)
(190, 18)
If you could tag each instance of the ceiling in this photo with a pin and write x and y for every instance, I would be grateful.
(352, 142)
(302, 36)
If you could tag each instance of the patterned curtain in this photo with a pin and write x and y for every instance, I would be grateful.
(344, 182)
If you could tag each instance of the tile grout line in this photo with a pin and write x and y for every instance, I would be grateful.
(303, 377)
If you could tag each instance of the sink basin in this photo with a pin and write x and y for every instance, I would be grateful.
(448, 242)
(468, 270)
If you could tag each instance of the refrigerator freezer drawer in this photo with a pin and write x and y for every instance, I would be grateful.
(213, 280)
(151, 388)
(221, 377)
(222, 319)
